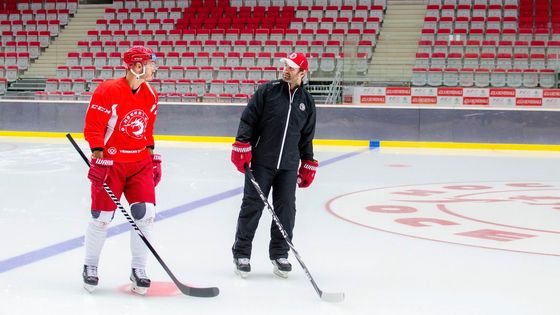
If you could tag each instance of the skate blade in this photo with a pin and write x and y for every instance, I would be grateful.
(138, 290)
(281, 274)
(89, 287)
(240, 273)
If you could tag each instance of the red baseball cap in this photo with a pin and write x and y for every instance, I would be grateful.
(297, 61)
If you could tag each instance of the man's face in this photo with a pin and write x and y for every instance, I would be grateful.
(292, 75)
(150, 68)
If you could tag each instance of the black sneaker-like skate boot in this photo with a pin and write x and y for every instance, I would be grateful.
(140, 281)
(90, 278)
(242, 266)
(281, 267)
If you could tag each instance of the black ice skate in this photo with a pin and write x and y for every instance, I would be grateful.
(90, 278)
(242, 267)
(140, 281)
(281, 267)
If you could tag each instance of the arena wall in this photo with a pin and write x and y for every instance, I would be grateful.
(342, 122)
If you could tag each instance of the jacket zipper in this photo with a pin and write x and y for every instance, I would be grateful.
(287, 122)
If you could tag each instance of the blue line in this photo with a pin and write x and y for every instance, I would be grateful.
(40, 254)
(339, 158)
(58, 248)
(52, 250)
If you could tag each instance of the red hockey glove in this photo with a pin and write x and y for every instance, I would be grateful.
(156, 161)
(241, 155)
(306, 173)
(98, 170)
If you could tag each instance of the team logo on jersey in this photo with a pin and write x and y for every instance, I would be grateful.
(515, 216)
(301, 107)
(112, 150)
(134, 124)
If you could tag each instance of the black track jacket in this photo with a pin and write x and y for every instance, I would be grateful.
(279, 126)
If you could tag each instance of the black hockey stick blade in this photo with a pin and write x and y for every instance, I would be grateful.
(185, 289)
(197, 292)
(324, 296)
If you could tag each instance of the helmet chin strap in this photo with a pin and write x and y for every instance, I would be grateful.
(139, 75)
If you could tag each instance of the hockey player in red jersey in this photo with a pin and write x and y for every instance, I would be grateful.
(119, 126)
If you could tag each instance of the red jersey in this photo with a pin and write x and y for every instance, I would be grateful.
(120, 122)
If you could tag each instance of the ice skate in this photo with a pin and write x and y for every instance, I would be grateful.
(242, 267)
(90, 278)
(281, 267)
(140, 281)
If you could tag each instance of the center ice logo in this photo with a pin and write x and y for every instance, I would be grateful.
(514, 216)
(134, 124)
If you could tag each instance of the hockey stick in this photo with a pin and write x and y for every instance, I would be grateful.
(325, 296)
(185, 289)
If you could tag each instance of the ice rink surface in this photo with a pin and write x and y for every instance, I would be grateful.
(399, 231)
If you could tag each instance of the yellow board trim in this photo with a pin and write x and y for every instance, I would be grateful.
(195, 139)
(357, 143)
(37, 134)
(469, 145)
(326, 142)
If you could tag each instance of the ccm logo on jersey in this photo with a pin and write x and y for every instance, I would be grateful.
(100, 108)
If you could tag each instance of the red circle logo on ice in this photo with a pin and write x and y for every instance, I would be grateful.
(134, 124)
(157, 288)
(514, 216)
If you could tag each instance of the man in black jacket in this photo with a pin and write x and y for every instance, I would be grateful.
(274, 137)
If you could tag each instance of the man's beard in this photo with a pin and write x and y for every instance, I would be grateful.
(289, 80)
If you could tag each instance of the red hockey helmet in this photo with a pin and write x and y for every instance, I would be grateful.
(138, 54)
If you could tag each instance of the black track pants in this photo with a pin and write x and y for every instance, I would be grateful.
(283, 184)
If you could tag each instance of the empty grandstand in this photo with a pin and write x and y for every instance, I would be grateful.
(220, 50)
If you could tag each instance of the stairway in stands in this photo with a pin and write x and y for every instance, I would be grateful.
(34, 79)
(396, 47)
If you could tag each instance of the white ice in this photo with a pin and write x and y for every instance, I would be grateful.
(45, 201)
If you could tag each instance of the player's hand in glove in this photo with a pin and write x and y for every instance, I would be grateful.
(99, 170)
(241, 155)
(156, 161)
(306, 173)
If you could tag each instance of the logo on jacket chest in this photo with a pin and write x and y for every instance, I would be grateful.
(134, 124)
(302, 107)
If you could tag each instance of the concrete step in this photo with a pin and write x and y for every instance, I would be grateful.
(389, 47)
(392, 61)
(395, 54)
(406, 2)
(405, 11)
(402, 24)
(398, 36)
(401, 29)
(391, 76)
(48, 64)
(397, 72)
(389, 53)
(56, 54)
(61, 45)
(59, 54)
(30, 81)
(42, 74)
(388, 66)
(397, 40)
(16, 86)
